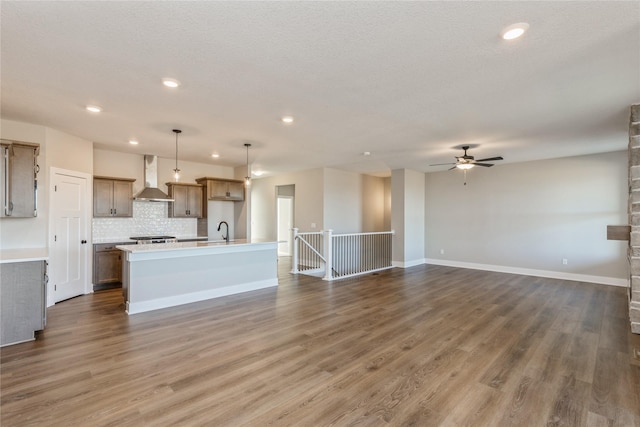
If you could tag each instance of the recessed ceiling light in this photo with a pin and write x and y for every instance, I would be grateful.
(366, 153)
(133, 142)
(514, 31)
(94, 108)
(287, 119)
(258, 173)
(173, 83)
(215, 155)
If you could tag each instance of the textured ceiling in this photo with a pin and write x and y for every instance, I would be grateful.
(407, 81)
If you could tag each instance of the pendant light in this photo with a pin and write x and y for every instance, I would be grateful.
(247, 179)
(176, 171)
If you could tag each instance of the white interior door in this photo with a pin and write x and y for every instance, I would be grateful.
(285, 223)
(69, 246)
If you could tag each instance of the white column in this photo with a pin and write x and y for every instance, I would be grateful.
(408, 217)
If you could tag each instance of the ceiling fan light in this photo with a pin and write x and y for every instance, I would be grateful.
(514, 31)
(464, 166)
(172, 83)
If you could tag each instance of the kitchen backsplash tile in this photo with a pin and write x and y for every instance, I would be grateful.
(149, 218)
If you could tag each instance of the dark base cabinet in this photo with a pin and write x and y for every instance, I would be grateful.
(107, 266)
(22, 300)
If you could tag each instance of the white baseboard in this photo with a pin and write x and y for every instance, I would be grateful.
(158, 303)
(407, 264)
(612, 281)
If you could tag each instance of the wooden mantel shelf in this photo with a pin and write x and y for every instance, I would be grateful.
(618, 232)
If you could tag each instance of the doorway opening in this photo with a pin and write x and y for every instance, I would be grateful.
(285, 200)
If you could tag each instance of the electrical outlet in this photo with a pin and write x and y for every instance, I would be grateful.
(441, 251)
(565, 261)
(313, 225)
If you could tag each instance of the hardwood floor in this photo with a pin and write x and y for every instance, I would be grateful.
(424, 346)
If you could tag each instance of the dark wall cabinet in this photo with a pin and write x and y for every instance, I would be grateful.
(19, 179)
(112, 197)
(188, 200)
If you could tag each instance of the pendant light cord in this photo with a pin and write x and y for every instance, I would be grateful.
(247, 179)
(176, 170)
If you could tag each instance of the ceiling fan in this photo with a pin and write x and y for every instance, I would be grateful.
(466, 161)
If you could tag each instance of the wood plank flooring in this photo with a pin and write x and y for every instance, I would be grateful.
(423, 346)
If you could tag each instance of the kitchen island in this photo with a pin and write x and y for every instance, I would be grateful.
(168, 274)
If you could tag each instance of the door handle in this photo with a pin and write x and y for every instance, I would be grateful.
(83, 241)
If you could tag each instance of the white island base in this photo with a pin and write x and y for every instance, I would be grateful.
(168, 274)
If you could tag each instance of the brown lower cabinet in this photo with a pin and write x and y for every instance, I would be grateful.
(107, 266)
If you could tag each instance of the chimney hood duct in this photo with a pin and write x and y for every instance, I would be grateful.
(151, 192)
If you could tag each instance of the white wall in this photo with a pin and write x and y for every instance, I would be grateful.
(242, 211)
(532, 215)
(374, 204)
(218, 211)
(342, 201)
(309, 190)
(386, 219)
(69, 152)
(346, 202)
(353, 202)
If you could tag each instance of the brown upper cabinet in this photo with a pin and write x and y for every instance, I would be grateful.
(18, 179)
(223, 189)
(220, 189)
(112, 197)
(187, 200)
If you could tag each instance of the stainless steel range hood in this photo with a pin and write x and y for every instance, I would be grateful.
(151, 192)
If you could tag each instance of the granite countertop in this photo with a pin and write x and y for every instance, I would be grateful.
(127, 240)
(23, 255)
(158, 247)
(114, 240)
(192, 237)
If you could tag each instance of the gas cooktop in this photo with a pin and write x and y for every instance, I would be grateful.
(152, 237)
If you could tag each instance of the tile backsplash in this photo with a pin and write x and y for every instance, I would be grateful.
(149, 218)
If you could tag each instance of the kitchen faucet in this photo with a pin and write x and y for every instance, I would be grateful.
(226, 238)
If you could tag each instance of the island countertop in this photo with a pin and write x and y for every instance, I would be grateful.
(128, 240)
(198, 247)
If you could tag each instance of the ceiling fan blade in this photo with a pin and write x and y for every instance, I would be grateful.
(486, 165)
(442, 164)
(450, 169)
(490, 159)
